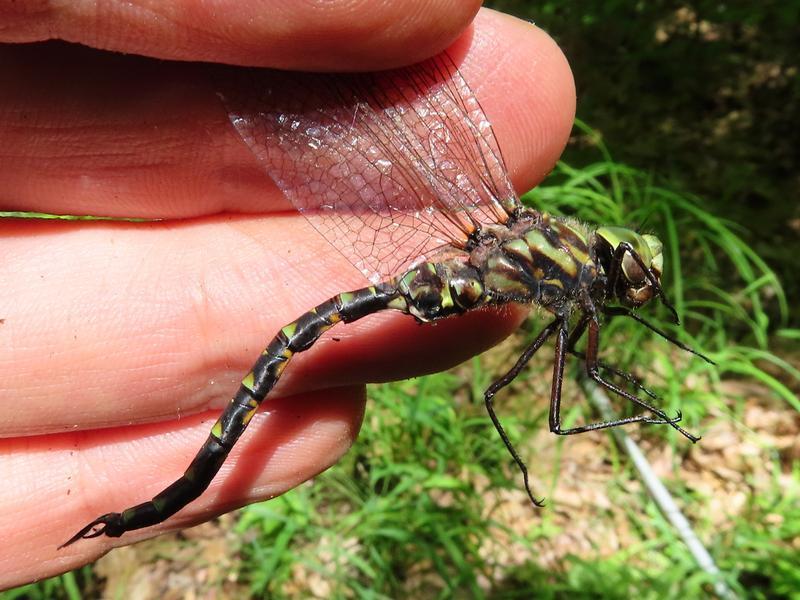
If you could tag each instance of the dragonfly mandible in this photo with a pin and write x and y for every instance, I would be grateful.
(401, 172)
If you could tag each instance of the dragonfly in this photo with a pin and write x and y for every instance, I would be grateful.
(402, 173)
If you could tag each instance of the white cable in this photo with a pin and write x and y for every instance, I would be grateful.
(660, 493)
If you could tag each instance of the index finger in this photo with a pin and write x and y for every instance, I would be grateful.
(310, 35)
(92, 133)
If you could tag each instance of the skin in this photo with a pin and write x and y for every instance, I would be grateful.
(121, 342)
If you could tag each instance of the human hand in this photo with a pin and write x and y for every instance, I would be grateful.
(121, 342)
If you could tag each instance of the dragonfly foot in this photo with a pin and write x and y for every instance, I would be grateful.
(109, 524)
(673, 422)
(665, 420)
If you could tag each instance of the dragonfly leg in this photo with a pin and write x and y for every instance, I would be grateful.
(488, 398)
(576, 334)
(621, 311)
(561, 349)
(636, 383)
(592, 369)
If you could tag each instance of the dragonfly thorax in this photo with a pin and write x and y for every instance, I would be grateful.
(537, 259)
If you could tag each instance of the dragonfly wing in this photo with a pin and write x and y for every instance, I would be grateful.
(388, 166)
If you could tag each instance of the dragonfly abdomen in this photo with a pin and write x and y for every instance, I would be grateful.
(428, 291)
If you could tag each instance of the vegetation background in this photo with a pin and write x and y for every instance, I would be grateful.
(691, 113)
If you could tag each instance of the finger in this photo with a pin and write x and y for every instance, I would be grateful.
(315, 35)
(98, 134)
(53, 485)
(111, 324)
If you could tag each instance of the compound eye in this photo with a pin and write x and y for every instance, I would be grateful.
(634, 274)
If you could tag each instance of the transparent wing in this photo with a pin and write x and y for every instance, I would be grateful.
(389, 166)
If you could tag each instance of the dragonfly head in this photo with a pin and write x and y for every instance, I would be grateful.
(633, 285)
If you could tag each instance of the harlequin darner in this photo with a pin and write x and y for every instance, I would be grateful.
(401, 172)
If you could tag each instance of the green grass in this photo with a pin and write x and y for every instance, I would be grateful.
(401, 502)
(15, 214)
(74, 585)
(416, 509)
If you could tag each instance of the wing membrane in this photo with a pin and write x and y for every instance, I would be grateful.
(388, 166)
